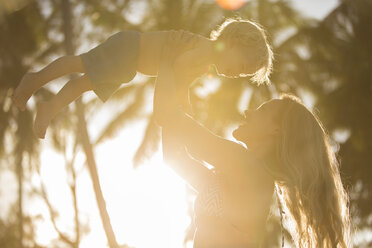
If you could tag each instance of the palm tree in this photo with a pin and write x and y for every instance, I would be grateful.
(24, 38)
(18, 40)
(85, 140)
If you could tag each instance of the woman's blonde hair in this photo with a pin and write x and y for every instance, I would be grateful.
(309, 181)
(250, 35)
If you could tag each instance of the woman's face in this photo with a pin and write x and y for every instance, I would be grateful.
(260, 127)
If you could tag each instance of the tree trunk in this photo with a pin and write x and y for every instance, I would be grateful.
(19, 170)
(85, 141)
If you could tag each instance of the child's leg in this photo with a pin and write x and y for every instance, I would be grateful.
(32, 81)
(47, 110)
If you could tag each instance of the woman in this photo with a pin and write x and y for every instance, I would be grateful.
(286, 150)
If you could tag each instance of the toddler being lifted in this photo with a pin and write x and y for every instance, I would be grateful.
(237, 48)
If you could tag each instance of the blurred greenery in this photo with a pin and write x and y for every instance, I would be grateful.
(328, 61)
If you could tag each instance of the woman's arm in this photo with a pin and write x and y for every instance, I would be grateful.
(200, 142)
(176, 156)
(174, 152)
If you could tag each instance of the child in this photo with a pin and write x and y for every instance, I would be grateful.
(236, 48)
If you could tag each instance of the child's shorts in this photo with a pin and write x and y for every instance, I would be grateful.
(113, 62)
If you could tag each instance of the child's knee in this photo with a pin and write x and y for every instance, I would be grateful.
(74, 62)
(86, 81)
(78, 63)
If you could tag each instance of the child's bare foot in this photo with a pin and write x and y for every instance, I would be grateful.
(25, 89)
(43, 117)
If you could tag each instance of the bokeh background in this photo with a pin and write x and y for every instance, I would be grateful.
(98, 179)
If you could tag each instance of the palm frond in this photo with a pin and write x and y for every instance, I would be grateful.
(118, 122)
(149, 144)
(124, 91)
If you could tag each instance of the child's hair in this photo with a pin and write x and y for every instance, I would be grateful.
(251, 35)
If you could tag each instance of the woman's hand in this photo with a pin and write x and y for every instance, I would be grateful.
(176, 44)
(188, 65)
(165, 95)
(178, 47)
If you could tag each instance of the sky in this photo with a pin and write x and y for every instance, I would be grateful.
(315, 8)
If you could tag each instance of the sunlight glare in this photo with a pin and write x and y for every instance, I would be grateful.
(147, 205)
(231, 4)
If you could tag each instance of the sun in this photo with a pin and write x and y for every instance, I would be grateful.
(147, 206)
(152, 211)
(231, 4)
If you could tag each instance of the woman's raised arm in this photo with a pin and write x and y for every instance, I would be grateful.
(202, 144)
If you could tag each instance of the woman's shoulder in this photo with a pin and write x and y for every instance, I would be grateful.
(250, 186)
(244, 165)
(255, 178)
(247, 177)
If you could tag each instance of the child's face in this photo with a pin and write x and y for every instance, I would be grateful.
(234, 61)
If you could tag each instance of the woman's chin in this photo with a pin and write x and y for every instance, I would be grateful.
(237, 135)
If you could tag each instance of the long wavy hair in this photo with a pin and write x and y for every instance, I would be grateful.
(308, 182)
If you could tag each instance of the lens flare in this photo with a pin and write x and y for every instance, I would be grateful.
(231, 4)
(220, 46)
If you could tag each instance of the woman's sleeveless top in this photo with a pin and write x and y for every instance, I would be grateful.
(208, 203)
